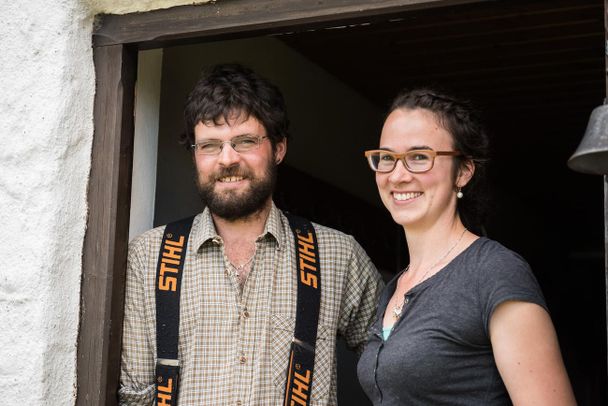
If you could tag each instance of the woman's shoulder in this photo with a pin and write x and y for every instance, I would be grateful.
(500, 271)
(500, 274)
(485, 251)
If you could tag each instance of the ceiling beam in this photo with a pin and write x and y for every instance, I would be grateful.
(221, 19)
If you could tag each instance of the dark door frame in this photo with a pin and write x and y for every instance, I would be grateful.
(116, 41)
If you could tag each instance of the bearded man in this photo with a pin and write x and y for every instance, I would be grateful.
(246, 274)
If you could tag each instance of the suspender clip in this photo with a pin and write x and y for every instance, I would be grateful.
(303, 345)
(168, 362)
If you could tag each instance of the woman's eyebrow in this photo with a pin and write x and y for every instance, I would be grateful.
(418, 147)
(414, 148)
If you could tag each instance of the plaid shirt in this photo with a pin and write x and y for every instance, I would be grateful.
(234, 347)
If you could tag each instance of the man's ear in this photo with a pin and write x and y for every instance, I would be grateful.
(465, 173)
(280, 150)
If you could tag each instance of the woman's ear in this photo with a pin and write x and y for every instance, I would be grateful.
(465, 173)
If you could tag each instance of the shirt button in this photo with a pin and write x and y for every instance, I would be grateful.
(245, 314)
(242, 359)
(239, 403)
(406, 300)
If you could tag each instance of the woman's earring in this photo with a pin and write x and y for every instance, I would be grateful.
(459, 194)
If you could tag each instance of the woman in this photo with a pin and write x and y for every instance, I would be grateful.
(465, 323)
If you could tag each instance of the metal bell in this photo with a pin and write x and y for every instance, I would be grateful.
(591, 156)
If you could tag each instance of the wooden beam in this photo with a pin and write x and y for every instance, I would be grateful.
(229, 17)
(606, 176)
(606, 73)
(105, 243)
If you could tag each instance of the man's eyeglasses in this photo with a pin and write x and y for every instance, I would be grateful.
(415, 161)
(241, 143)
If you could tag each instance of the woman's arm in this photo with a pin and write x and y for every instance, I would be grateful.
(527, 355)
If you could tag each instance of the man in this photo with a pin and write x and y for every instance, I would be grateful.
(239, 289)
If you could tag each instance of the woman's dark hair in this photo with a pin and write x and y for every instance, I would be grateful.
(228, 89)
(462, 121)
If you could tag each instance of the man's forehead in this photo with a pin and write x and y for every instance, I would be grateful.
(231, 118)
(234, 125)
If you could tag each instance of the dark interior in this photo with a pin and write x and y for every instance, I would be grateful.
(536, 70)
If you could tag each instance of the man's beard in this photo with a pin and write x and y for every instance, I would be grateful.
(234, 205)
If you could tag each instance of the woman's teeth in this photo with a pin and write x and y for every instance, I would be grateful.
(406, 196)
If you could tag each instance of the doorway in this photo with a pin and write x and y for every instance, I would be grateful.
(536, 69)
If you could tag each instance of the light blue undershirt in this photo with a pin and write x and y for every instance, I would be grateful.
(386, 331)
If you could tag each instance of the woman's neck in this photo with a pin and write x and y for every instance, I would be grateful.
(434, 245)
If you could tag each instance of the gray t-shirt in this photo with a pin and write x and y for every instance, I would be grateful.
(439, 351)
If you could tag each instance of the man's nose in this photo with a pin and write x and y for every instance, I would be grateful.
(228, 156)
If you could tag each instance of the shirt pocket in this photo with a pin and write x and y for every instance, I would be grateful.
(282, 335)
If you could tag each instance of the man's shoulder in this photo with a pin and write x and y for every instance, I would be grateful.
(329, 232)
(149, 242)
(324, 232)
(337, 240)
(152, 236)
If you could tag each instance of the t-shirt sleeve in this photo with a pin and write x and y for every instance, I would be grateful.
(505, 276)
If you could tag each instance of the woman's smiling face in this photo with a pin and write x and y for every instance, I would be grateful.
(418, 199)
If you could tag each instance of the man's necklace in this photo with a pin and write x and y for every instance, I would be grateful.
(398, 308)
(239, 268)
(241, 271)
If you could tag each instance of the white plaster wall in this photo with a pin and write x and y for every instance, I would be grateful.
(46, 110)
(46, 103)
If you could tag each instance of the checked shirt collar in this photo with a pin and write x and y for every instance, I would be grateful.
(204, 232)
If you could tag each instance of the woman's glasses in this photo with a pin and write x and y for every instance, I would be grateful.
(415, 161)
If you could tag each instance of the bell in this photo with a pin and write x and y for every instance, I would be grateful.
(591, 156)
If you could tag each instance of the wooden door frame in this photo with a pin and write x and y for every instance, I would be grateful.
(606, 184)
(116, 41)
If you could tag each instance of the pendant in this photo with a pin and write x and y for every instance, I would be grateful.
(397, 311)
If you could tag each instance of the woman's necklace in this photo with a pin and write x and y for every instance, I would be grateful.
(398, 308)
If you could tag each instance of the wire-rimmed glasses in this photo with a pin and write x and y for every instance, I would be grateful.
(415, 161)
(241, 143)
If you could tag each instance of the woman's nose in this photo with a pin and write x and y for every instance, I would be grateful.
(400, 173)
